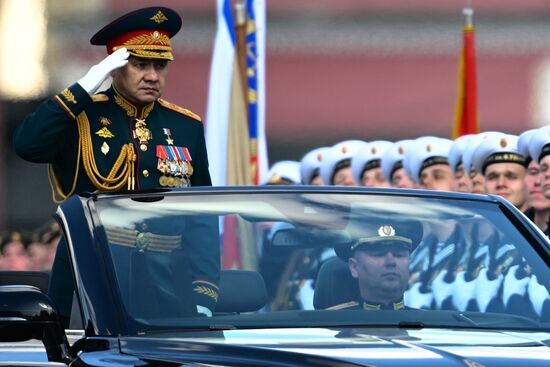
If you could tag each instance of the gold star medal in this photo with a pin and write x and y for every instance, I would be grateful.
(169, 140)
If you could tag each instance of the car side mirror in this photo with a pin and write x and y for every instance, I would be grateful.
(27, 313)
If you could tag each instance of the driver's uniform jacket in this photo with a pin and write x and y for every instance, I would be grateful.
(362, 304)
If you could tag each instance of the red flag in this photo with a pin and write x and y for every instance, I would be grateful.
(466, 118)
(231, 257)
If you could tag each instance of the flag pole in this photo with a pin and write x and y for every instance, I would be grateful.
(466, 119)
(240, 44)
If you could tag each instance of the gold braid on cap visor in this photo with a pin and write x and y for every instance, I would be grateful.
(375, 239)
(151, 45)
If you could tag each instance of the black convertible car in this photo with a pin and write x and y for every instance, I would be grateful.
(270, 276)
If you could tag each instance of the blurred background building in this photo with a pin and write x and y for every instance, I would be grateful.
(361, 69)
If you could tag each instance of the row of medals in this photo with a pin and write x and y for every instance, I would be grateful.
(174, 173)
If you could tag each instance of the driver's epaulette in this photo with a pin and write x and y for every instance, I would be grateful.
(183, 111)
(343, 306)
(100, 97)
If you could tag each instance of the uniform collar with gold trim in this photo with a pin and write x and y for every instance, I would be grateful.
(140, 112)
(370, 306)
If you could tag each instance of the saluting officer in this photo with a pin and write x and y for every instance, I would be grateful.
(124, 138)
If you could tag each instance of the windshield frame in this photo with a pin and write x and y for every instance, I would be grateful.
(133, 327)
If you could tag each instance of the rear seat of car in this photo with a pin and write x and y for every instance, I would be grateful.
(241, 291)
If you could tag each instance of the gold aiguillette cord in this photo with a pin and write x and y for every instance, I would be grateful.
(121, 174)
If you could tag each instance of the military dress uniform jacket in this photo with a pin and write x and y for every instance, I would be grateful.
(361, 304)
(53, 134)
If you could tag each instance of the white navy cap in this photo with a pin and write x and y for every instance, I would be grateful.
(424, 152)
(392, 160)
(310, 164)
(524, 142)
(497, 148)
(457, 149)
(284, 173)
(337, 157)
(473, 143)
(368, 157)
(539, 146)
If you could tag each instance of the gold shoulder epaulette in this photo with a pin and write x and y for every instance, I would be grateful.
(183, 111)
(343, 306)
(100, 97)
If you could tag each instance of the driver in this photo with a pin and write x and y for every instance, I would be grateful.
(379, 260)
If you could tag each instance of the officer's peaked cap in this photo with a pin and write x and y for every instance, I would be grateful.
(144, 33)
(376, 232)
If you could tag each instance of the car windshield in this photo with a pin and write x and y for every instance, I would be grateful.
(322, 258)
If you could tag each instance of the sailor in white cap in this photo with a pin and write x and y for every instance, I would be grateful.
(476, 178)
(539, 205)
(539, 147)
(310, 166)
(365, 165)
(497, 157)
(392, 165)
(336, 165)
(283, 173)
(462, 178)
(504, 168)
(539, 150)
(426, 161)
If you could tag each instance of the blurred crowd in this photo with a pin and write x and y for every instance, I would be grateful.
(29, 251)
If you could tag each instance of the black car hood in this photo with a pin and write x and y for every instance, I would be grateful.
(347, 346)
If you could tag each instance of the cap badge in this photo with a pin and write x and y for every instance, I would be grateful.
(503, 142)
(104, 121)
(373, 150)
(429, 148)
(105, 133)
(320, 157)
(159, 17)
(386, 231)
(344, 150)
(401, 150)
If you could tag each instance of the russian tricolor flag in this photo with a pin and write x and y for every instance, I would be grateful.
(235, 117)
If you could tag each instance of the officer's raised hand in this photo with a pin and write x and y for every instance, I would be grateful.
(98, 73)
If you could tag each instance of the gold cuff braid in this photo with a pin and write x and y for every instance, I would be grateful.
(121, 174)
